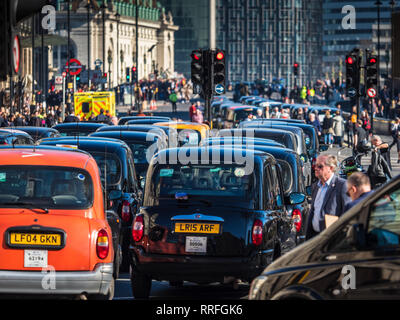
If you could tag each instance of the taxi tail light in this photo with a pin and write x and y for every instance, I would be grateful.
(257, 232)
(126, 211)
(296, 217)
(102, 244)
(138, 228)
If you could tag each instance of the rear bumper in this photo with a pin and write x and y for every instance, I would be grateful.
(97, 281)
(199, 268)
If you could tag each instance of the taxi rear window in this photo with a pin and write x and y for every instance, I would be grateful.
(211, 180)
(45, 187)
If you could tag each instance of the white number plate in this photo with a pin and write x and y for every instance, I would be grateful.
(35, 258)
(196, 244)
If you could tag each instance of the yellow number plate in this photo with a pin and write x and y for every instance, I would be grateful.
(41, 239)
(189, 227)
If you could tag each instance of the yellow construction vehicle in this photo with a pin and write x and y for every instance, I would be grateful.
(90, 103)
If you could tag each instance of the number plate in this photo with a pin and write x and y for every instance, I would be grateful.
(189, 227)
(196, 244)
(38, 239)
(35, 258)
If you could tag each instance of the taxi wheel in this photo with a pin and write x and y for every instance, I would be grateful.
(140, 283)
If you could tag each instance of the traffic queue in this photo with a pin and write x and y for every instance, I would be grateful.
(176, 201)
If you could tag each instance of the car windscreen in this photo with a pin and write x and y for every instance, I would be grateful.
(45, 187)
(239, 115)
(188, 137)
(140, 150)
(110, 167)
(220, 180)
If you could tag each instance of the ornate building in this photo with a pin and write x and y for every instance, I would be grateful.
(118, 20)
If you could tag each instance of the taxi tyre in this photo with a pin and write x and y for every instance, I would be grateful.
(140, 284)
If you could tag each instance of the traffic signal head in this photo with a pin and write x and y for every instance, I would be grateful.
(352, 73)
(371, 75)
(128, 74)
(218, 71)
(296, 69)
(197, 67)
(134, 74)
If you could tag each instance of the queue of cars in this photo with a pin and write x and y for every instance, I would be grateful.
(166, 201)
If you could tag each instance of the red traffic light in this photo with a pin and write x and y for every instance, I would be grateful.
(134, 69)
(349, 60)
(372, 61)
(220, 56)
(296, 65)
(196, 56)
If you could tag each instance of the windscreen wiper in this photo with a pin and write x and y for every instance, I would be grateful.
(26, 205)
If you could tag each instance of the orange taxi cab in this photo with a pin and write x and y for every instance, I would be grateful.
(55, 236)
(189, 133)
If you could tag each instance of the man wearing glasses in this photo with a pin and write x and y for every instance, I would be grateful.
(358, 187)
(328, 195)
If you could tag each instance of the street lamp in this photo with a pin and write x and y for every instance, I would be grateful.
(392, 5)
(118, 17)
(109, 58)
(121, 56)
(103, 11)
(378, 3)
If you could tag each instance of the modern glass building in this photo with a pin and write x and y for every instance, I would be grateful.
(192, 18)
(339, 37)
(263, 39)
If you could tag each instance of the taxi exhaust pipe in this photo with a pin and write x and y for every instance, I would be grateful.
(82, 296)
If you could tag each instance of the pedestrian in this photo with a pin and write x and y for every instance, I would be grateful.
(383, 148)
(328, 195)
(192, 111)
(299, 114)
(173, 99)
(315, 122)
(358, 187)
(71, 118)
(327, 128)
(198, 117)
(338, 128)
(378, 170)
(395, 132)
(101, 117)
(366, 123)
(360, 139)
(114, 121)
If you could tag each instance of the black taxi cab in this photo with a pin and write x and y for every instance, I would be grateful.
(205, 219)
(356, 257)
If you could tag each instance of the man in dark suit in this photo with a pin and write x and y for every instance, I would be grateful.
(328, 195)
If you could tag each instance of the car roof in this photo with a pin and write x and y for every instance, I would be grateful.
(127, 135)
(234, 108)
(79, 125)
(134, 128)
(10, 131)
(33, 129)
(226, 152)
(88, 144)
(44, 155)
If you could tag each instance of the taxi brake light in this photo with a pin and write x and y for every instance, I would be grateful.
(138, 228)
(102, 244)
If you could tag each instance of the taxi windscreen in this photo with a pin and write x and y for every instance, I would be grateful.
(110, 168)
(139, 151)
(210, 180)
(45, 187)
